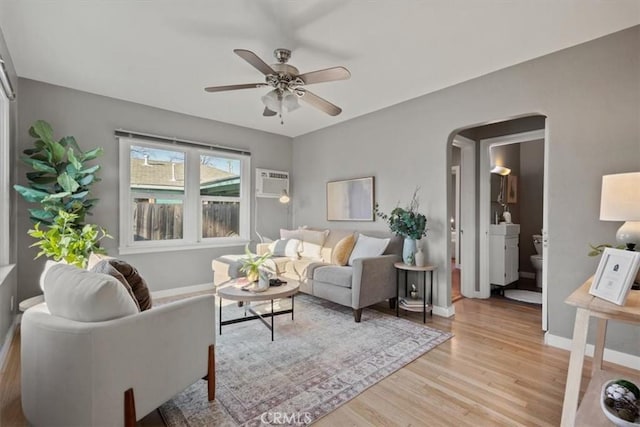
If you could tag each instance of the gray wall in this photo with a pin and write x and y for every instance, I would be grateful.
(8, 287)
(530, 199)
(591, 96)
(92, 119)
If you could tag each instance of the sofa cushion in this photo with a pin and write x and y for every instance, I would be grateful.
(105, 267)
(334, 275)
(312, 242)
(342, 250)
(84, 296)
(302, 269)
(285, 247)
(368, 247)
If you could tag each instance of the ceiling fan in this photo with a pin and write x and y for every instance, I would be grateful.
(288, 84)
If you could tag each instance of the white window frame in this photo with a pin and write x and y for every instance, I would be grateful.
(5, 180)
(192, 201)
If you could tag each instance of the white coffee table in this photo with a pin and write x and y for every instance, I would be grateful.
(231, 290)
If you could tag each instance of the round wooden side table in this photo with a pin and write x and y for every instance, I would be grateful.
(424, 307)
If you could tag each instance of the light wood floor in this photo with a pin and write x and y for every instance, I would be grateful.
(494, 371)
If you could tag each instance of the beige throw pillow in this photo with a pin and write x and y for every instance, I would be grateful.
(290, 234)
(342, 250)
(312, 242)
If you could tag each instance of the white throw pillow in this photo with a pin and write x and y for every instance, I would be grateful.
(312, 242)
(368, 247)
(84, 296)
(285, 247)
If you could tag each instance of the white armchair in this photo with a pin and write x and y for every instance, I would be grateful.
(114, 372)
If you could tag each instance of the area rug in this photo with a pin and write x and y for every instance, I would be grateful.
(317, 362)
(530, 297)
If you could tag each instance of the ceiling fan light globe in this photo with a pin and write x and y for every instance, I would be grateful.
(272, 101)
(290, 102)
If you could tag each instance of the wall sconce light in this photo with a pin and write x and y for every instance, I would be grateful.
(620, 201)
(501, 170)
(284, 197)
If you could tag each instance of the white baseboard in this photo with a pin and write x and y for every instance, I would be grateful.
(184, 290)
(527, 275)
(4, 350)
(613, 356)
(444, 311)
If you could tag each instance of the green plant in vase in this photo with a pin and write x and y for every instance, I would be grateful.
(408, 223)
(253, 264)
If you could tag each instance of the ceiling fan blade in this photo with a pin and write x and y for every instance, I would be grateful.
(254, 60)
(234, 87)
(328, 75)
(268, 113)
(321, 104)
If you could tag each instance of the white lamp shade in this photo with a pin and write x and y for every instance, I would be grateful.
(501, 170)
(284, 197)
(620, 198)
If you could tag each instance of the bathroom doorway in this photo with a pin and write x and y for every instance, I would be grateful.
(521, 193)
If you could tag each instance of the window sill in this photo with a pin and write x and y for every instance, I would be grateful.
(127, 250)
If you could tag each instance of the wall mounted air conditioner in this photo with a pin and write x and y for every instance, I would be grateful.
(270, 183)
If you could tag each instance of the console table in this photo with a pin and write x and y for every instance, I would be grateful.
(400, 266)
(589, 412)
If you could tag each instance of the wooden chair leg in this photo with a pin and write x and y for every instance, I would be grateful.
(211, 373)
(129, 409)
(357, 314)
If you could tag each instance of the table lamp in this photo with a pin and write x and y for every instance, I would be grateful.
(620, 201)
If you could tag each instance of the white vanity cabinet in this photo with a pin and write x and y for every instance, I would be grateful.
(503, 253)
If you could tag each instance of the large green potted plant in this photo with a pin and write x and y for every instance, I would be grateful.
(407, 222)
(60, 183)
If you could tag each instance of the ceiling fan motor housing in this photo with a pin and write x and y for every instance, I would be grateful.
(282, 55)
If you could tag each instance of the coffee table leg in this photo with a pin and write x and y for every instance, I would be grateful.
(292, 298)
(220, 319)
(272, 316)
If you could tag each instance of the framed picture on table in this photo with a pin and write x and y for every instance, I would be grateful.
(615, 274)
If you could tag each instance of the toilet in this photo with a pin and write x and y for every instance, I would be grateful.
(536, 260)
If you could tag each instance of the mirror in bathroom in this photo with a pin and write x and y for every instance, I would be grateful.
(512, 189)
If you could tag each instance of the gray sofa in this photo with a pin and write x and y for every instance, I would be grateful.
(366, 282)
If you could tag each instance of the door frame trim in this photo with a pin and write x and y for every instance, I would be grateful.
(467, 231)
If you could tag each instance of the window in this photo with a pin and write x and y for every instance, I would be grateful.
(5, 177)
(180, 196)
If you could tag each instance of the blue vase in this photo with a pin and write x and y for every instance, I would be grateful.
(408, 250)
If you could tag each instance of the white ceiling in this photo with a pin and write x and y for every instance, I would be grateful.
(163, 53)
